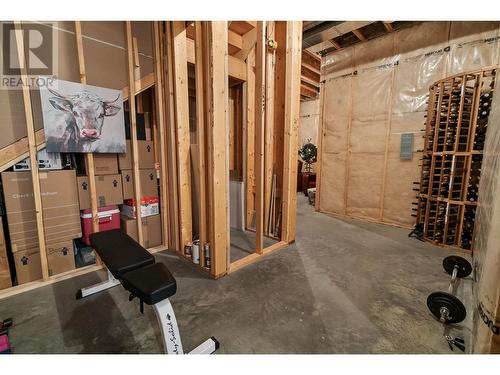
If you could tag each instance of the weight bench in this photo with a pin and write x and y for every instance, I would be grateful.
(135, 268)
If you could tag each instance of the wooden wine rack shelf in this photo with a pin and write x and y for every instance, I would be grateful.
(455, 132)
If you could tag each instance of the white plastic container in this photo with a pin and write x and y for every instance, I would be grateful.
(196, 252)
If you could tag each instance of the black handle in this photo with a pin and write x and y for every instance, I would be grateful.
(459, 345)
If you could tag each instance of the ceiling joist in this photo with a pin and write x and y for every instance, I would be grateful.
(335, 44)
(388, 26)
(359, 35)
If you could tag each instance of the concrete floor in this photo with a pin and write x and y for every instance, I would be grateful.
(344, 287)
(243, 243)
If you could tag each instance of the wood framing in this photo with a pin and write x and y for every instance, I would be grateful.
(242, 27)
(359, 35)
(161, 126)
(9, 292)
(171, 141)
(133, 131)
(208, 117)
(291, 128)
(15, 152)
(279, 121)
(322, 95)
(266, 89)
(200, 57)
(268, 126)
(388, 26)
(386, 151)
(260, 95)
(335, 44)
(217, 132)
(236, 66)
(180, 81)
(252, 258)
(140, 85)
(32, 150)
(89, 157)
(248, 43)
(250, 139)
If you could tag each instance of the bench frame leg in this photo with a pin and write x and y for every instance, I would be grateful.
(99, 287)
(171, 335)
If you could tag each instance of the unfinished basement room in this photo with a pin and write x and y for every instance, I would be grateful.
(210, 184)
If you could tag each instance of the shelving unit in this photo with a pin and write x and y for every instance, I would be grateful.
(457, 121)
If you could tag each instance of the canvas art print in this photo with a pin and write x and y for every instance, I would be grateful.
(82, 118)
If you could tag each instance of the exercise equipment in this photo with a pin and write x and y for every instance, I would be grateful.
(5, 326)
(458, 342)
(445, 306)
(5, 344)
(132, 266)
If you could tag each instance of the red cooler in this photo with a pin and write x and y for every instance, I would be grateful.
(109, 218)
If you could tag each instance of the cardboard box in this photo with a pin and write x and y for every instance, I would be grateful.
(46, 161)
(28, 266)
(60, 257)
(145, 153)
(109, 190)
(5, 281)
(154, 231)
(61, 213)
(148, 183)
(149, 206)
(104, 164)
(151, 229)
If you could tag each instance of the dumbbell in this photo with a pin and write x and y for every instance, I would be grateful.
(445, 306)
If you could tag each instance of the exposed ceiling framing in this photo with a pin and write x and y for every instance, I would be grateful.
(310, 75)
(324, 37)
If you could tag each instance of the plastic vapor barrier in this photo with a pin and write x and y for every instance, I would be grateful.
(486, 242)
(373, 92)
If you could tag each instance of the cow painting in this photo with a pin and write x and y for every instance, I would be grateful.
(82, 118)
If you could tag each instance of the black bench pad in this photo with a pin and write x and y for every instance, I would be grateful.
(119, 252)
(151, 284)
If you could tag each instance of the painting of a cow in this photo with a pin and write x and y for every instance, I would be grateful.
(82, 118)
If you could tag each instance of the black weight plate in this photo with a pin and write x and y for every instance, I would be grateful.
(456, 308)
(464, 267)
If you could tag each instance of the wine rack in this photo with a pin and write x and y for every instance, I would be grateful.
(455, 132)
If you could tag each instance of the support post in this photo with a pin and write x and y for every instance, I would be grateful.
(32, 150)
(268, 125)
(171, 142)
(250, 138)
(89, 157)
(292, 112)
(279, 120)
(133, 130)
(322, 93)
(160, 124)
(180, 81)
(217, 132)
(260, 93)
(200, 131)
